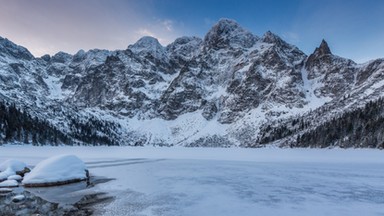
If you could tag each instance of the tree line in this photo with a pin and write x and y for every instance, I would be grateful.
(359, 128)
(17, 126)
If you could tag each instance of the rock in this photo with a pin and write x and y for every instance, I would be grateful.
(335, 75)
(183, 49)
(324, 48)
(23, 172)
(209, 110)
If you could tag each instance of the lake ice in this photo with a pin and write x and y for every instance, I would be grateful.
(205, 181)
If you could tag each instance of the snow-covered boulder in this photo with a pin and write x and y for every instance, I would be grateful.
(18, 198)
(11, 167)
(15, 177)
(9, 183)
(12, 164)
(58, 170)
(5, 190)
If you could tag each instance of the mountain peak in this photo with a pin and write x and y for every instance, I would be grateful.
(148, 44)
(7, 46)
(323, 49)
(61, 57)
(225, 23)
(145, 42)
(227, 32)
(321, 53)
(270, 37)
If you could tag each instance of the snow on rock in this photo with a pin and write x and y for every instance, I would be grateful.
(10, 167)
(58, 170)
(15, 177)
(227, 77)
(4, 174)
(228, 32)
(148, 44)
(18, 198)
(5, 190)
(184, 48)
(9, 183)
(15, 51)
(13, 165)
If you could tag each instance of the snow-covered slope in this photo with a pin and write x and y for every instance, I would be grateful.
(217, 91)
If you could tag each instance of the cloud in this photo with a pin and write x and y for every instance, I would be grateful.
(47, 27)
(168, 24)
(291, 37)
(145, 32)
(209, 22)
(164, 39)
(162, 29)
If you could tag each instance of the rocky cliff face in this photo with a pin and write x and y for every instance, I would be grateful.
(218, 91)
(336, 75)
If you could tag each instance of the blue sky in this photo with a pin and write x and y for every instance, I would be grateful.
(353, 28)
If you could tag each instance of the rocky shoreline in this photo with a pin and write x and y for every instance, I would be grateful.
(60, 185)
(42, 201)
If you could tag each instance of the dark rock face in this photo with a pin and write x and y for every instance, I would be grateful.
(323, 49)
(226, 52)
(370, 71)
(232, 79)
(23, 172)
(337, 75)
(53, 184)
(209, 110)
(46, 58)
(183, 50)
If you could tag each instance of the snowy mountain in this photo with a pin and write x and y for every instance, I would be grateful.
(231, 88)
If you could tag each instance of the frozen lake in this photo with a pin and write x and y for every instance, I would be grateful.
(204, 181)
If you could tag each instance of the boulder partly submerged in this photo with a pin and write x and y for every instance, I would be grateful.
(58, 170)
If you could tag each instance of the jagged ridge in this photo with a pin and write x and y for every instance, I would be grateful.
(222, 90)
